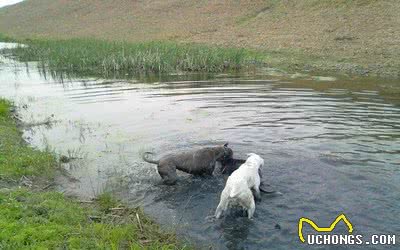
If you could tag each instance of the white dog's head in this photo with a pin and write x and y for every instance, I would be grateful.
(255, 159)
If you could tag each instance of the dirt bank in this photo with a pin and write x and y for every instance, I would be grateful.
(350, 36)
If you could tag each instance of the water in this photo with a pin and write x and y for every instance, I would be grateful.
(329, 147)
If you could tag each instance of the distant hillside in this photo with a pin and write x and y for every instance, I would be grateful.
(350, 34)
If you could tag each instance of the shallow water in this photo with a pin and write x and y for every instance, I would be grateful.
(329, 147)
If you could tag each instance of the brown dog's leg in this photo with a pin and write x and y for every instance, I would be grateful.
(168, 174)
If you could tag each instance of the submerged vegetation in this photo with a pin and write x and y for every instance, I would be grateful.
(106, 58)
(32, 218)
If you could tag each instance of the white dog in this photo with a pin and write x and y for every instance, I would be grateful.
(239, 186)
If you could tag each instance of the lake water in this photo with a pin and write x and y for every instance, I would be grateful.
(330, 147)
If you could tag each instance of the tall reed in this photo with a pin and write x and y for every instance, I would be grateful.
(98, 57)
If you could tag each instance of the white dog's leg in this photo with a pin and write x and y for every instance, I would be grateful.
(256, 188)
(251, 209)
(248, 203)
(223, 204)
(257, 194)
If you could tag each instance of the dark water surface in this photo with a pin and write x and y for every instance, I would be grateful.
(330, 147)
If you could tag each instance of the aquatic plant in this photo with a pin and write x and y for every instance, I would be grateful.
(106, 58)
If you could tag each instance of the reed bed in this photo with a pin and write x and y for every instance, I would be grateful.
(106, 58)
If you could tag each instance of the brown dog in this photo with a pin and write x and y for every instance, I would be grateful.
(197, 162)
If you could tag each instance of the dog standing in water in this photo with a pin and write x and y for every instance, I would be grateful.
(239, 186)
(197, 162)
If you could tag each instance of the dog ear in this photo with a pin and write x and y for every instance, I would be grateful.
(250, 154)
(226, 144)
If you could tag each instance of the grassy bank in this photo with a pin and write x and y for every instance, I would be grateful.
(5, 38)
(105, 58)
(109, 59)
(31, 218)
(16, 158)
(356, 37)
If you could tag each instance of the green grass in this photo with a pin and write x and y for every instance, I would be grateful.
(106, 202)
(5, 38)
(16, 157)
(34, 219)
(48, 220)
(106, 58)
(90, 57)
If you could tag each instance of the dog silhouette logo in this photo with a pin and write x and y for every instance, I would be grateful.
(323, 229)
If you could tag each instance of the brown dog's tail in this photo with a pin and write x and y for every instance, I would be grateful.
(146, 159)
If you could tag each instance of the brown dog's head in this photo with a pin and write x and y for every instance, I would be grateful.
(228, 153)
